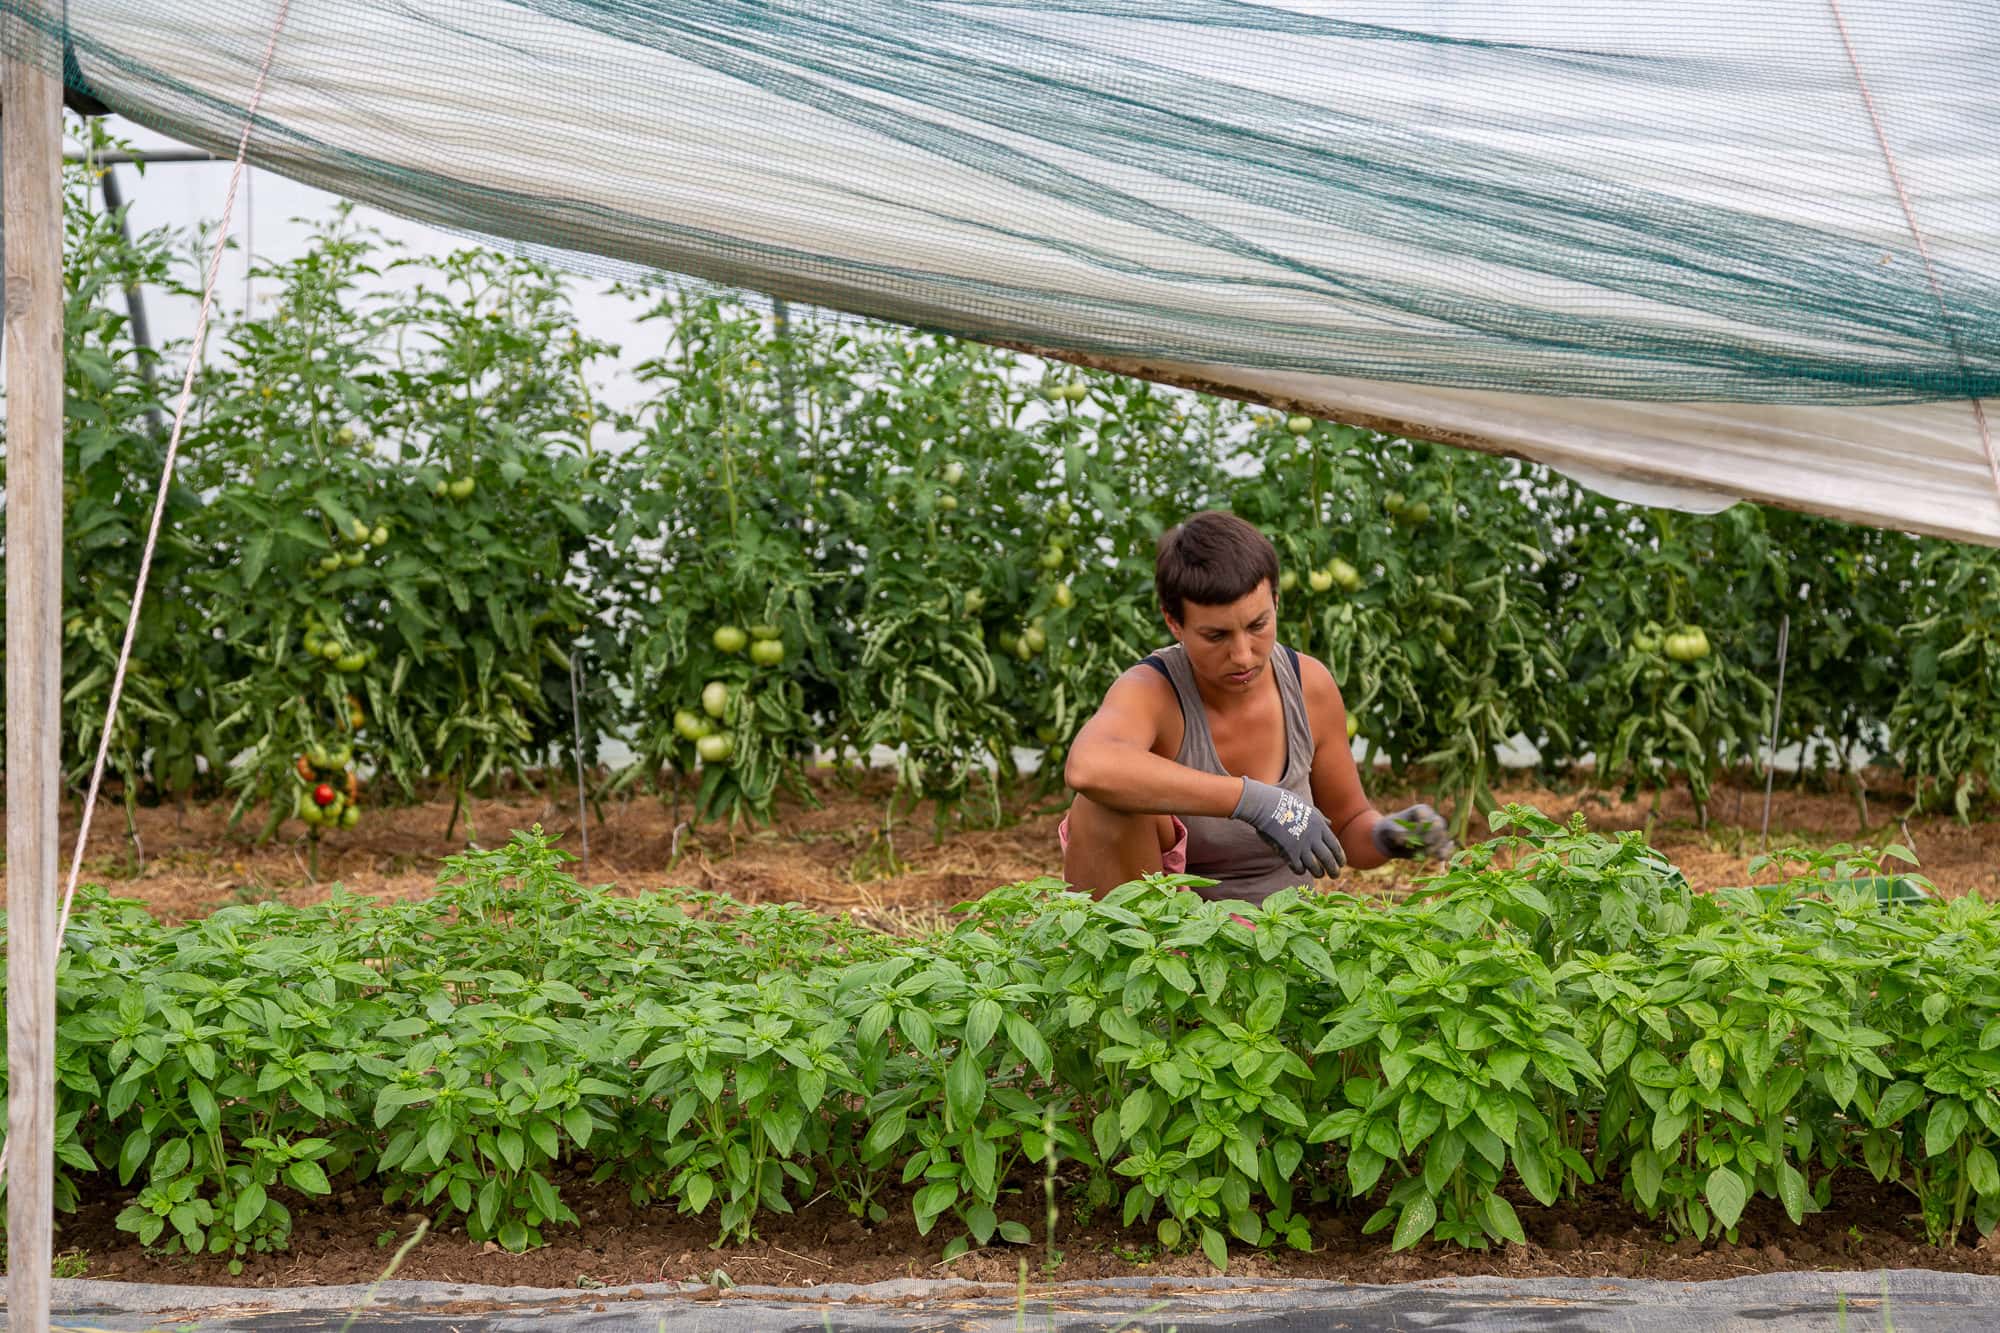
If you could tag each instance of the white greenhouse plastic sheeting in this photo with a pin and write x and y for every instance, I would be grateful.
(1685, 251)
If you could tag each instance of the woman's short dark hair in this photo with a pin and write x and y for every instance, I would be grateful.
(1213, 559)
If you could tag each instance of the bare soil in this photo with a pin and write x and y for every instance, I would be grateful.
(350, 1237)
(834, 856)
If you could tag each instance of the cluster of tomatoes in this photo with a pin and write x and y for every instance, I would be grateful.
(720, 701)
(1032, 638)
(361, 535)
(767, 648)
(330, 793)
(1410, 513)
(1336, 573)
(713, 746)
(332, 645)
(1031, 642)
(329, 789)
(1689, 643)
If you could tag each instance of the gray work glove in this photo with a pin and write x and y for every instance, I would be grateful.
(1294, 827)
(1417, 830)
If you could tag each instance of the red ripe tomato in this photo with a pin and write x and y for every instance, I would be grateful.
(323, 795)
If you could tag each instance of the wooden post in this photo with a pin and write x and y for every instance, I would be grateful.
(31, 194)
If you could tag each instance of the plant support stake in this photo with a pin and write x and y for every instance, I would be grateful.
(1771, 751)
(576, 721)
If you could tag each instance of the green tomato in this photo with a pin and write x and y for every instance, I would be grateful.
(763, 631)
(1395, 502)
(1353, 727)
(975, 601)
(353, 559)
(345, 435)
(729, 638)
(441, 488)
(767, 652)
(948, 502)
(330, 649)
(358, 530)
(1288, 580)
(1299, 425)
(350, 816)
(379, 537)
(1346, 575)
(1417, 514)
(714, 749)
(1034, 640)
(690, 726)
(1319, 580)
(349, 663)
(314, 643)
(1063, 596)
(1687, 644)
(462, 488)
(954, 472)
(1644, 642)
(329, 563)
(715, 698)
(1052, 556)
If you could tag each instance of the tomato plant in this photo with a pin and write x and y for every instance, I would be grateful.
(1398, 542)
(923, 518)
(719, 513)
(1667, 679)
(405, 524)
(1942, 719)
(167, 739)
(1121, 461)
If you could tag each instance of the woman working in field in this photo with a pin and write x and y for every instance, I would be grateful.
(1225, 755)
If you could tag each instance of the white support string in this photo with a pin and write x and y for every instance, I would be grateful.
(160, 500)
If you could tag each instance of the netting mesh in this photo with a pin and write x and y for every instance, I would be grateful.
(1691, 250)
(1643, 200)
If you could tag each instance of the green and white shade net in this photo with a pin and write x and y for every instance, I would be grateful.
(1685, 251)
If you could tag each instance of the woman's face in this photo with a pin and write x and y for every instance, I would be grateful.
(1230, 646)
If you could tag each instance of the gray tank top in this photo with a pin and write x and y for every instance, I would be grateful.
(1229, 851)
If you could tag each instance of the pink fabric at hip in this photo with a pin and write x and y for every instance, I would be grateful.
(1173, 861)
